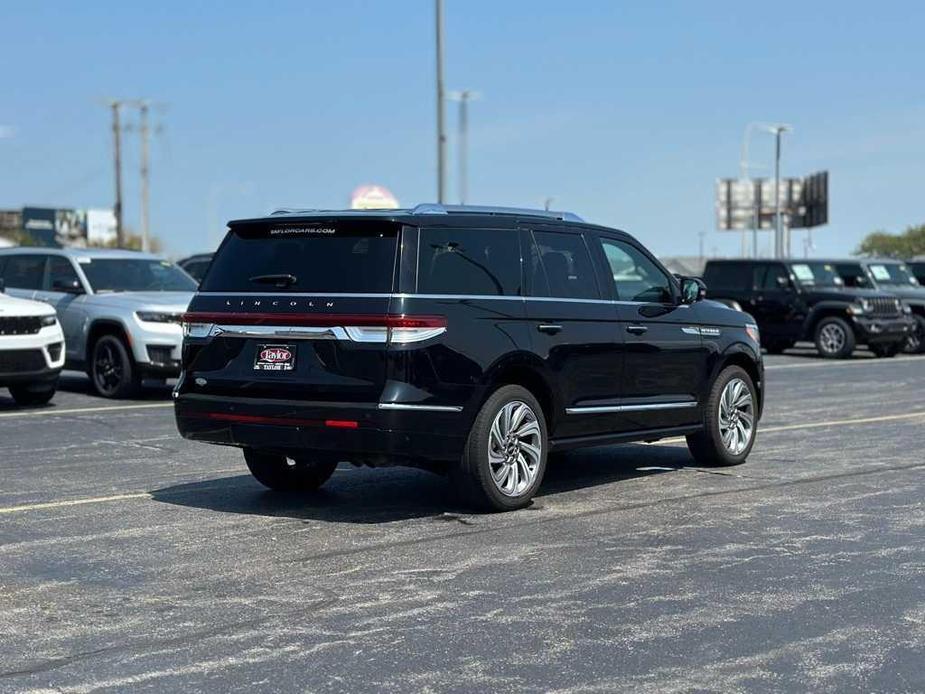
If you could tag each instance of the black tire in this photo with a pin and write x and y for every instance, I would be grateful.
(473, 478)
(915, 344)
(112, 370)
(778, 346)
(282, 474)
(707, 446)
(30, 395)
(886, 350)
(834, 338)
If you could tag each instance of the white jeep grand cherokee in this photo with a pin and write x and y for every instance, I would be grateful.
(31, 349)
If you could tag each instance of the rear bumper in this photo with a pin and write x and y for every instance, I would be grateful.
(369, 434)
(877, 330)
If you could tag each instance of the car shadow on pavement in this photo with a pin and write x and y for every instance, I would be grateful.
(365, 496)
(77, 382)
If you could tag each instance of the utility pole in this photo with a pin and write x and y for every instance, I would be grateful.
(144, 132)
(116, 105)
(441, 133)
(701, 234)
(463, 97)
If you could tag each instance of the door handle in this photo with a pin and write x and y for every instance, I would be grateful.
(636, 329)
(550, 328)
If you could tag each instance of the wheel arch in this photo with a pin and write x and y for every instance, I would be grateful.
(821, 311)
(107, 326)
(528, 372)
(743, 356)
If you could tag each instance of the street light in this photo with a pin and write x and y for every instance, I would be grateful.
(776, 129)
(463, 97)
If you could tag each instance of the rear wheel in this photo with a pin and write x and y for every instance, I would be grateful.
(778, 346)
(283, 474)
(32, 395)
(886, 350)
(915, 343)
(112, 370)
(730, 421)
(834, 338)
(505, 456)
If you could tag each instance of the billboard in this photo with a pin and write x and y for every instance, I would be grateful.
(101, 227)
(750, 203)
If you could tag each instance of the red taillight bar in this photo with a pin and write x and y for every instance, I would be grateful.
(316, 319)
(279, 421)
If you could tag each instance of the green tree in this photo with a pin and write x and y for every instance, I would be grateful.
(906, 245)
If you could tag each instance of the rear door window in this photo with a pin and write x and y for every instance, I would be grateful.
(24, 271)
(328, 257)
(469, 261)
(728, 276)
(560, 267)
(60, 274)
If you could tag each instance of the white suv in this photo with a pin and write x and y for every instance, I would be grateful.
(31, 349)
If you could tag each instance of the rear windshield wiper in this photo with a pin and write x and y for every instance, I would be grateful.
(282, 280)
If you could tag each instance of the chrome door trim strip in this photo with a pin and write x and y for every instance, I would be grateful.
(601, 409)
(418, 408)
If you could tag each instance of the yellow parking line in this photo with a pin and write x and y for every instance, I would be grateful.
(51, 412)
(74, 502)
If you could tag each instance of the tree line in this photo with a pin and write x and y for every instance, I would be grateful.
(908, 244)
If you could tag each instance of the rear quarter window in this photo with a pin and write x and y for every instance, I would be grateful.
(469, 261)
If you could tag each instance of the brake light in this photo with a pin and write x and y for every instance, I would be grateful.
(395, 328)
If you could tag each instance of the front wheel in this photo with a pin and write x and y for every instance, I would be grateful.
(834, 338)
(730, 421)
(915, 343)
(112, 370)
(505, 455)
(32, 395)
(283, 474)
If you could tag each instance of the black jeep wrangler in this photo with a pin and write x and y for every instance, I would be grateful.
(806, 300)
(892, 276)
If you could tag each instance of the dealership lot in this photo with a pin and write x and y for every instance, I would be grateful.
(132, 558)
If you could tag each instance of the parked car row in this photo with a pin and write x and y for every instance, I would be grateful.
(116, 315)
(835, 304)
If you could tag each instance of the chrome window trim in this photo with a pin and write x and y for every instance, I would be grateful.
(418, 408)
(630, 408)
(411, 295)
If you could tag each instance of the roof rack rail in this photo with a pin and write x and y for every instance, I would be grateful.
(294, 210)
(436, 208)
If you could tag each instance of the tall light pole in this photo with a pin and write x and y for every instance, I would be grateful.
(144, 132)
(778, 130)
(744, 174)
(441, 132)
(463, 97)
(116, 105)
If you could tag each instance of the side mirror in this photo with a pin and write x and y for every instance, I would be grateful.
(692, 289)
(67, 286)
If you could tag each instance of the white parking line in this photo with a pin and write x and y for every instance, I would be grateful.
(843, 362)
(769, 430)
(53, 412)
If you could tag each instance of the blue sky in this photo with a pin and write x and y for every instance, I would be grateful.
(625, 112)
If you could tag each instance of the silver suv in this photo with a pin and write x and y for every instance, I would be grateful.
(120, 310)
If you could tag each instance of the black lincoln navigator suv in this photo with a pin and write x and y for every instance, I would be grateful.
(794, 300)
(468, 341)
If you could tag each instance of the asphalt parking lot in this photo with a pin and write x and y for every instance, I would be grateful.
(130, 558)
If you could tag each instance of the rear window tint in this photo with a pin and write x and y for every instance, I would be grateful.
(562, 267)
(24, 271)
(734, 276)
(314, 257)
(469, 261)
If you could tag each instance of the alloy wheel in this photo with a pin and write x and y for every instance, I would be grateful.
(832, 338)
(515, 448)
(108, 368)
(736, 416)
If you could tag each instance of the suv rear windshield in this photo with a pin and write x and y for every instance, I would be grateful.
(333, 256)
